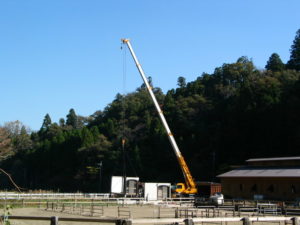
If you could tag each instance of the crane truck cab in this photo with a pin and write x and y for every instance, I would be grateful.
(180, 187)
(183, 190)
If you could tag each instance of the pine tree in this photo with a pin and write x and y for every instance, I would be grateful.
(274, 63)
(86, 137)
(72, 119)
(181, 82)
(46, 123)
(62, 122)
(294, 62)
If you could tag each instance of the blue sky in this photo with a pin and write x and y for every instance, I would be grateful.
(62, 54)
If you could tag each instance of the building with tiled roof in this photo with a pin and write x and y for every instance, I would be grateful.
(268, 178)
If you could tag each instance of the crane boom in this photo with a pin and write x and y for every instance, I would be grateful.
(190, 183)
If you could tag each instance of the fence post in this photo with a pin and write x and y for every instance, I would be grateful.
(123, 222)
(176, 213)
(158, 212)
(188, 222)
(246, 221)
(295, 221)
(92, 209)
(54, 220)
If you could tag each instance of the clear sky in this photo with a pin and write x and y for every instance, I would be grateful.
(62, 54)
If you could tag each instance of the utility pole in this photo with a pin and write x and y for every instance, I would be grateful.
(100, 175)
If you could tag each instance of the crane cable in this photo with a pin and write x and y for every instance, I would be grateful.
(123, 141)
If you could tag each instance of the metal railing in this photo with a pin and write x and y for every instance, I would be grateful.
(187, 221)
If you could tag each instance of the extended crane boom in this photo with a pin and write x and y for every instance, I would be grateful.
(190, 187)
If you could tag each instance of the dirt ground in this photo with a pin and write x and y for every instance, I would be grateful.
(109, 212)
(136, 212)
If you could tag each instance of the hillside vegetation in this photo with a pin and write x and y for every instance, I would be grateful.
(220, 119)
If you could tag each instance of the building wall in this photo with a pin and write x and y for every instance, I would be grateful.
(270, 188)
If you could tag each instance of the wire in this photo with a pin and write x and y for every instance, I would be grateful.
(126, 157)
(123, 116)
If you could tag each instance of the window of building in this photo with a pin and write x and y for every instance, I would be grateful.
(254, 188)
(271, 188)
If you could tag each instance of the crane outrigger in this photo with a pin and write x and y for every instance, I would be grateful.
(189, 187)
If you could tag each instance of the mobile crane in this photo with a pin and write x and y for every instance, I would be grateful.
(189, 187)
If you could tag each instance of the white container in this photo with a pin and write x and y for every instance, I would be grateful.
(157, 191)
(117, 183)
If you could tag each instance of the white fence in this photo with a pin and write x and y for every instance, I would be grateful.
(245, 220)
(9, 195)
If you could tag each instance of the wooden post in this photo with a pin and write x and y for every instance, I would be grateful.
(295, 221)
(246, 221)
(92, 209)
(176, 213)
(286, 222)
(158, 213)
(54, 220)
(123, 222)
(188, 222)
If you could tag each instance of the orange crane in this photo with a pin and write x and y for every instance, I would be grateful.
(189, 187)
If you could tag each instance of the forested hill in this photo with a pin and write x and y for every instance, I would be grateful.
(220, 119)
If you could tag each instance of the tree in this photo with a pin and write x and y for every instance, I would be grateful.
(72, 119)
(22, 141)
(181, 82)
(274, 63)
(62, 122)
(46, 123)
(14, 128)
(5, 143)
(294, 62)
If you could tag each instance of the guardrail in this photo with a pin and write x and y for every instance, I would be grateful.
(102, 196)
(8, 195)
(245, 220)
